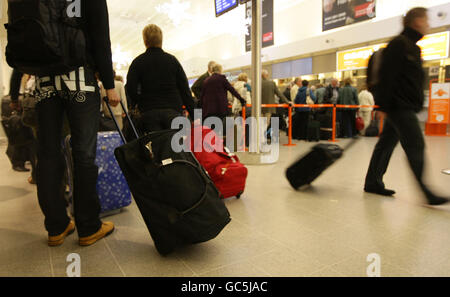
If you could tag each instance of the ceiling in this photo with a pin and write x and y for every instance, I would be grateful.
(184, 23)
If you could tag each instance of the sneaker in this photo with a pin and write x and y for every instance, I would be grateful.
(106, 229)
(59, 239)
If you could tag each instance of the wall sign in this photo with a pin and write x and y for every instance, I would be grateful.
(267, 24)
(339, 13)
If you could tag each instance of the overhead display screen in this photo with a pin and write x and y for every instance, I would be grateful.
(223, 6)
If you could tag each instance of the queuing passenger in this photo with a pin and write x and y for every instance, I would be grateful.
(401, 96)
(297, 85)
(82, 107)
(348, 96)
(241, 88)
(214, 100)
(25, 150)
(332, 92)
(320, 93)
(366, 98)
(157, 83)
(287, 90)
(268, 91)
(118, 112)
(197, 87)
(119, 78)
(14, 153)
(304, 96)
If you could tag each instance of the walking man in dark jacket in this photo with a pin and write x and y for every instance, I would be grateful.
(401, 96)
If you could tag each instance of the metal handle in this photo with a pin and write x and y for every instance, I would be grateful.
(106, 99)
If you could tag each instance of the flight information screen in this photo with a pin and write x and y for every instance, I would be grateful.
(223, 6)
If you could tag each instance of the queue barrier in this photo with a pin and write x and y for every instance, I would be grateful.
(314, 106)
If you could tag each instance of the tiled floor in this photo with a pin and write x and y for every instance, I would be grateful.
(326, 230)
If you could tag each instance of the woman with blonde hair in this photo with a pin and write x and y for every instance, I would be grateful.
(241, 88)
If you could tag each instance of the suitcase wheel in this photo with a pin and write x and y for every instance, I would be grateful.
(238, 196)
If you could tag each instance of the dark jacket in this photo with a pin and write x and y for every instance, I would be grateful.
(287, 93)
(269, 90)
(301, 98)
(98, 43)
(156, 80)
(198, 85)
(348, 96)
(328, 95)
(401, 76)
(214, 99)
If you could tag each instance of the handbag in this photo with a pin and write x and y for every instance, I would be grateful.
(359, 123)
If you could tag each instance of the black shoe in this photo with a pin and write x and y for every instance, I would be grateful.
(380, 191)
(21, 169)
(437, 200)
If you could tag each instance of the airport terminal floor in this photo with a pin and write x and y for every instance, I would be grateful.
(329, 229)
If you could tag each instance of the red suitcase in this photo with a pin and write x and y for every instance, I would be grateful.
(224, 168)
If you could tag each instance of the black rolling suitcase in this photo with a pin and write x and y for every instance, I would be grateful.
(177, 199)
(309, 167)
(313, 131)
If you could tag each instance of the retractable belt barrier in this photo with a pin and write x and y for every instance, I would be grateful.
(313, 106)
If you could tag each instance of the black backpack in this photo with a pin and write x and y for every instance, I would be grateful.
(43, 38)
(373, 70)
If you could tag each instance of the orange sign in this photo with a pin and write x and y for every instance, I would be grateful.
(439, 109)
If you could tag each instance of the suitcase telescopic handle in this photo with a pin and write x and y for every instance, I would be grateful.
(106, 99)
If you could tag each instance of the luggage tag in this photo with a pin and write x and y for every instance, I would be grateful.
(167, 162)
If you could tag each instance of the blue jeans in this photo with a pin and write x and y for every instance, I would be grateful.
(80, 100)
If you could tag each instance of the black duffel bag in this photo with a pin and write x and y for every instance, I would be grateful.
(177, 199)
(16, 132)
(29, 112)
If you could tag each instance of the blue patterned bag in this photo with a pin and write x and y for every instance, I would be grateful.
(112, 188)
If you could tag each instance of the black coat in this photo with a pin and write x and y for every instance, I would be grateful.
(198, 86)
(401, 76)
(156, 80)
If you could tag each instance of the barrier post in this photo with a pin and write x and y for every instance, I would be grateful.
(244, 114)
(381, 123)
(290, 128)
(333, 133)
